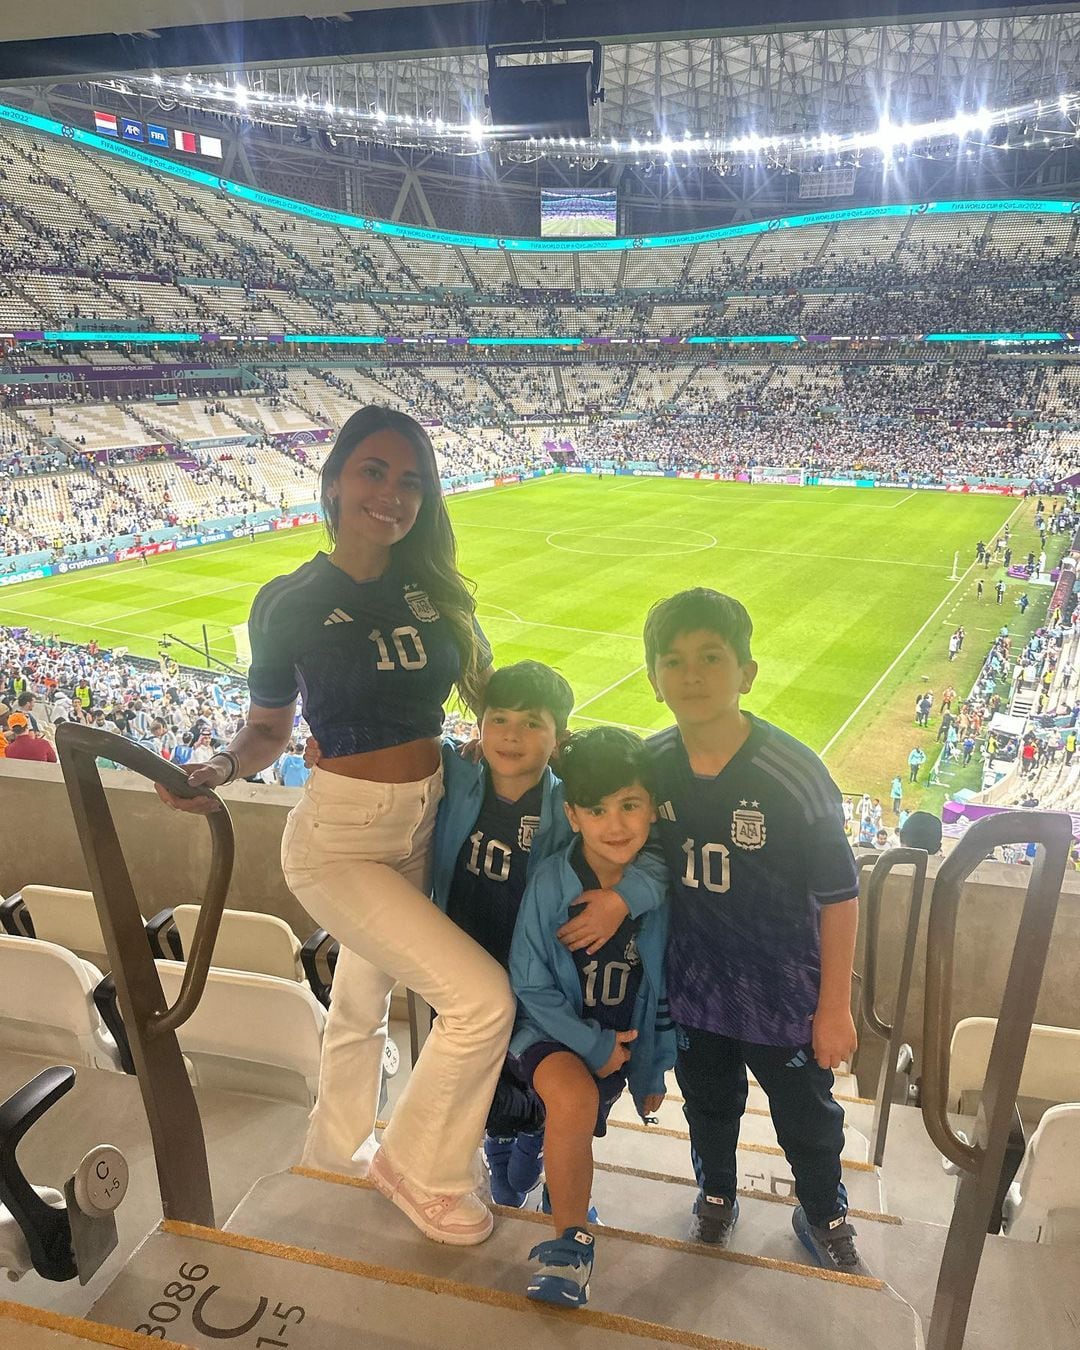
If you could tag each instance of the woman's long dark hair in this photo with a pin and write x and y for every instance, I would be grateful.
(429, 551)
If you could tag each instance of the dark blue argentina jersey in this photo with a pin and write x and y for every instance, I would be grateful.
(753, 853)
(490, 871)
(610, 978)
(373, 661)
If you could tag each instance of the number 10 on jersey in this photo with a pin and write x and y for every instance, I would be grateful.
(706, 865)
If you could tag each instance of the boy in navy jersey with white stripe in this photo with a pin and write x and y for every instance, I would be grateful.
(498, 821)
(593, 1020)
(764, 912)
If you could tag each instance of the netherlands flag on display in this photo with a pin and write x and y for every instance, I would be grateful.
(105, 123)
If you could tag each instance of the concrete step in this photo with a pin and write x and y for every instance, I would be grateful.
(691, 1291)
(24, 1328)
(1015, 1276)
(258, 1293)
(756, 1128)
(845, 1090)
(762, 1167)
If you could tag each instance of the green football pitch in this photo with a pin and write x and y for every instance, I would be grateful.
(851, 593)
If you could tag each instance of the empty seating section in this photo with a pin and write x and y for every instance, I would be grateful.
(1043, 1204)
(786, 251)
(250, 1033)
(433, 265)
(91, 426)
(545, 271)
(47, 1005)
(653, 269)
(593, 387)
(599, 271)
(1051, 1068)
(655, 387)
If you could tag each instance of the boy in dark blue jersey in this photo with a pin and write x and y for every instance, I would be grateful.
(593, 1020)
(764, 912)
(498, 820)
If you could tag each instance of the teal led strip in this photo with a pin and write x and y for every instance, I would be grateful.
(390, 229)
(113, 335)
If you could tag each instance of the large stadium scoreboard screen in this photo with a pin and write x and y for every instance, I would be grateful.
(585, 214)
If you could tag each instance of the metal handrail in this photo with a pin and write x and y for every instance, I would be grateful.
(172, 1113)
(890, 1032)
(981, 1158)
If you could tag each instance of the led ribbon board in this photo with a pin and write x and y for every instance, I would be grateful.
(390, 229)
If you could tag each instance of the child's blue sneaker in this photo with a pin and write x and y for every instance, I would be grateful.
(497, 1156)
(831, 1244)
(545, 1206)
(526, 1165)
(563, 1269)
(713, 1219)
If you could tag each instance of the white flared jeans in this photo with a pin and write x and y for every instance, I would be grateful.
(357, 855)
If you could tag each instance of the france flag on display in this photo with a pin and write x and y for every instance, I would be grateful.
(129, 130)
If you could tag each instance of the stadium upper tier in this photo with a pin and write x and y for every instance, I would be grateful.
(92, 239)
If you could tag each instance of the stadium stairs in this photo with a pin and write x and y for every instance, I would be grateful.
(316, 1259)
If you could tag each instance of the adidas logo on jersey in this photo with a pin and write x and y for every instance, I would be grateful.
(666, 811)
(338, 616)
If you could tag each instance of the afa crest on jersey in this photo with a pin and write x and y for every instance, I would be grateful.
(527, 832)
(630, 955)
(748, 826)
(420, 603)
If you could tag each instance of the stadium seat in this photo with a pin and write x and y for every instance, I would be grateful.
(1051, 1068)
(1043, 1204)
(248, 941)
(56, 914)
(250, 1033)
(47, 1004)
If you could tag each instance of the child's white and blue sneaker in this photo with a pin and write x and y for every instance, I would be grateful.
(526, 1165)
(497, 1155)
(713, 1218)
(830, 1244)
(563, 1269)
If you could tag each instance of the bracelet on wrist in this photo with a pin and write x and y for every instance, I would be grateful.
(234, 765)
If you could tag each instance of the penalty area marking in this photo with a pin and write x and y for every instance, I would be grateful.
(900, 656)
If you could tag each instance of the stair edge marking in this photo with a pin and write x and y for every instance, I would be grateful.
(665, 1131)
(620, 1170)
(437, 1284)
(96, 1332)
(642, 1239)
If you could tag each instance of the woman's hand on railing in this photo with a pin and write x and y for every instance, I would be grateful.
(213, 774)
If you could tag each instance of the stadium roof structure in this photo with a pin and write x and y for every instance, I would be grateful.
(688, 68)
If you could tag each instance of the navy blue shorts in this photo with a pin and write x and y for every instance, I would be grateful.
(610, 1088)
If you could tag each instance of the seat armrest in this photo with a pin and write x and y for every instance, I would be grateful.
(164, 936)
(15, 917)
(320, 947)
(109, 1011)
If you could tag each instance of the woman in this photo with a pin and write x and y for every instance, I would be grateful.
(375, 634)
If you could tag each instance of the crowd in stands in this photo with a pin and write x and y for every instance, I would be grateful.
(176, 712)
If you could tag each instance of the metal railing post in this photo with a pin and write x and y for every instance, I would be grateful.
(980, 1160)
(175, 1126)
(892, 1033)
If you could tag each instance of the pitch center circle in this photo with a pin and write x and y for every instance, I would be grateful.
(645, 541)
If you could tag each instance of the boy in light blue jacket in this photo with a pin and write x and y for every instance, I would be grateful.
(593, 1020)
(498, 821)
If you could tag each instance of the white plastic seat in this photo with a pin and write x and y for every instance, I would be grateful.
(47, 1005)
(247, 941)
(1043, 1204)
(251, 1033)
(15, 1258)
(1051, 1070)
(69, 918)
